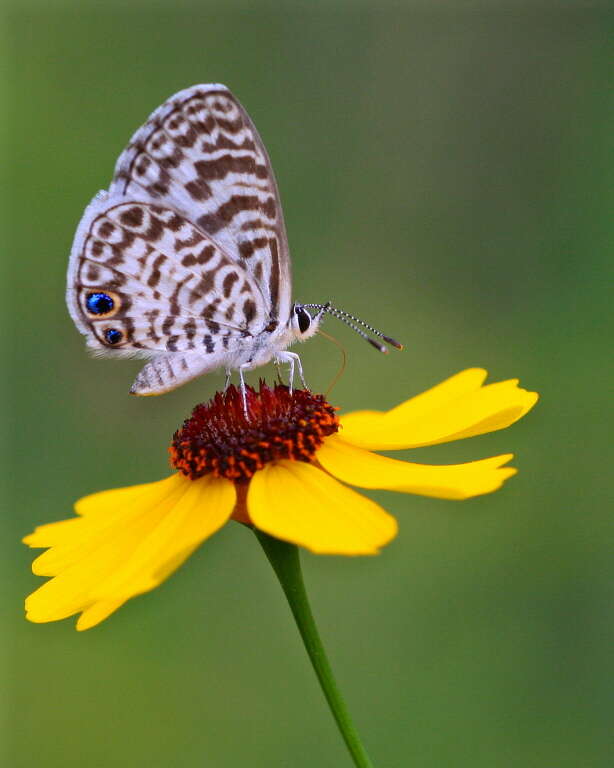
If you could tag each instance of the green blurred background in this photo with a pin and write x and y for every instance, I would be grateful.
(446, 173)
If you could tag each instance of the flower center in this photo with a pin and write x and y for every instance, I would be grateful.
(217, 439)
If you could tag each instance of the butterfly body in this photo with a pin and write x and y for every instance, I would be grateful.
(184, 260)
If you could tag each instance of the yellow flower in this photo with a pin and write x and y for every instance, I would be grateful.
(280, 472)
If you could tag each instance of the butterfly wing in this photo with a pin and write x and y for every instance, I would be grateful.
(144, 281)
(186, 254)
(201, 154)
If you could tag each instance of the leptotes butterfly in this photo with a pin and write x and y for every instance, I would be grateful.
(185, 258)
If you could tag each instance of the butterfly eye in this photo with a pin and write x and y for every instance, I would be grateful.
(113, 336)
(99, 303)
(303, 318)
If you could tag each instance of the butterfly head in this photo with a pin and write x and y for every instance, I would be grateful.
(303, 325)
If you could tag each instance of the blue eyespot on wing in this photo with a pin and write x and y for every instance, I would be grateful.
(113, 336)
(99, 303)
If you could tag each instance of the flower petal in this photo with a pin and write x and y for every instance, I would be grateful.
(98, 514)
(297, 502)
(124, 543)
(453, 481)
(97, 612)
(455, 409)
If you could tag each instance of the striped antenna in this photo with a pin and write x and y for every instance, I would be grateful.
(353, 322)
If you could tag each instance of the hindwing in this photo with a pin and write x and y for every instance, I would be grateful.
(168, 286)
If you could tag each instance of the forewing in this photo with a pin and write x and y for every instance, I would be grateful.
(171, 287)
(200, 154)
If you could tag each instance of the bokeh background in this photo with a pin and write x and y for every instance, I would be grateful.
(445, 170)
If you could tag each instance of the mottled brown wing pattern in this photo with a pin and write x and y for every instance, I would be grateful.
(170, 286)
(200, 154)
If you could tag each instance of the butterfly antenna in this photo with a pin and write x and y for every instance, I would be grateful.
(353, 322)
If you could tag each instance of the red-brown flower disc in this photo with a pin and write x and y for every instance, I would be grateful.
(218, 439)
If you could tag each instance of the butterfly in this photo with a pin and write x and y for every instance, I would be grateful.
(184, 260)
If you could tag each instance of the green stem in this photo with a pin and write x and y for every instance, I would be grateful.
(285, 560)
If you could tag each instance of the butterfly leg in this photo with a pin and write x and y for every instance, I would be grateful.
(227, 382)
(277, 368)
(300, 370)
(243, 367)
(292, 358)
(291, 375)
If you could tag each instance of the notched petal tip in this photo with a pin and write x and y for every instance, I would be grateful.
(458, 408)
(364, 469)
(124, 542)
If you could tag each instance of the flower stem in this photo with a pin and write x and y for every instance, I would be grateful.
(286, 563)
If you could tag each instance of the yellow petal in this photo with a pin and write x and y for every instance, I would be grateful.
(450, 481)
(297, 502)
(99, 503)
(115, 551)
(441, 394)
(100, 514)
(97, 612)
(455, 409)
(204, 507)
